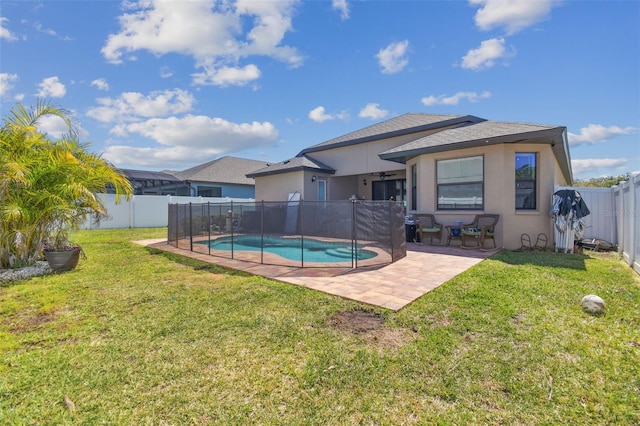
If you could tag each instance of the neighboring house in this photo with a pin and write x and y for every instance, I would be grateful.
(223, 177)
(454, 166)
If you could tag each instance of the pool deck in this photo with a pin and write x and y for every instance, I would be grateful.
(392, 286)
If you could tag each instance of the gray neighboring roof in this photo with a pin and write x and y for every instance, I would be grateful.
(293, 164)
(486, 133)
(401, 125)
(148, 175)
(222, 170)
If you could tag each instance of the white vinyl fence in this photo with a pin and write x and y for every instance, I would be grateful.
(145, 211)
(615, 216)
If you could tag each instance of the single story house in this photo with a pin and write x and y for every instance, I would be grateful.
(222, 177)
(453, 166)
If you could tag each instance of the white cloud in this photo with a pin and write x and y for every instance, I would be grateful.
(227, 76)
(5, 34)
(455, 99)
(190, 137)
(166, 72)
(48, 31)
(318, 115)
(216, 34)
(131, 106)
(595, 133)
(6, 83)
(343, 7)
(100, 84)
(373, 111)
(51, 87)
(512, 15)
(53, 126)
(614, 165)
(486, 55)
(392, 58)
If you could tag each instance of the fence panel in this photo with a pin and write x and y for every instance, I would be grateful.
(301, 234)
(627, 195)
(635, 218)
(601, 222)
(144, 211)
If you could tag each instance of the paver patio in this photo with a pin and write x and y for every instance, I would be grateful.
(392, 286)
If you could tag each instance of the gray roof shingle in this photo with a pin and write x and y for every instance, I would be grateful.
(222, 170)
(132, 174)
(401, 125)
(296, 163)
(476, 133)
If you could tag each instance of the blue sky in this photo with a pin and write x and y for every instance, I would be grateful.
(171, 84)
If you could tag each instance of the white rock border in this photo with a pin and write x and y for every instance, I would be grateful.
(41, 267)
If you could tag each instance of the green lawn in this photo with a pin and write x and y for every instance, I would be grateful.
(136, 336)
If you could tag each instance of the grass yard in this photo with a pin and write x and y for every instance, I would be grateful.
(136, 336)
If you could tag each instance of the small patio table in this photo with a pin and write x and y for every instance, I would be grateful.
(454, 232)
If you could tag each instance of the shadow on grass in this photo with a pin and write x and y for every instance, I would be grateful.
(543, 258)
(197, 265)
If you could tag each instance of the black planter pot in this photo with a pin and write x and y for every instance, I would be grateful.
(61, 261)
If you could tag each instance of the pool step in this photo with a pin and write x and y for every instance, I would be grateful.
(344, 252)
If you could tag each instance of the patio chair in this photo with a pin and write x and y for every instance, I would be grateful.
(481, 229)
(428, 226)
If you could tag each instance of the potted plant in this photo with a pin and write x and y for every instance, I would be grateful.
(61, 254)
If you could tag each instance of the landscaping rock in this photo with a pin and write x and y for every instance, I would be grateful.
(593, 304)
(39, 268)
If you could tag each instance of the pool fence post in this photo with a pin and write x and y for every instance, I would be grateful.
(190, 228)
(230, 221)
(389, 222)
(209, 226)
(262, 231)
(354, 237)
(301, 216)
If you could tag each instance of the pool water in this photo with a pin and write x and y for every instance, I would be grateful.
(290, 248)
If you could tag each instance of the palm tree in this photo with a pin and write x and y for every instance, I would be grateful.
(47, 187)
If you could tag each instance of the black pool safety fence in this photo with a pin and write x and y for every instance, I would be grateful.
(351, 233)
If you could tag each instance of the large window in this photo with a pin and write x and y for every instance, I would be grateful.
(461, 183)
(212, 191)
(526, 172)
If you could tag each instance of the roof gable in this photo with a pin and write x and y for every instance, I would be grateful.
(293, 164)
(226, 169)
(401, 125)
(486, 133)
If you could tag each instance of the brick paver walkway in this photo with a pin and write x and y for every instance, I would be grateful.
(392, 286)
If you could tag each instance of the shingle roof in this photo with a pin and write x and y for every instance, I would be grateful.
(476, 133)
(401, 125)
(148, 175)
(222, 170)
(296, 163)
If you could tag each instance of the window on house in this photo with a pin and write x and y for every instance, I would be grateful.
(209, 191)
(414, 187)
(460, 183)
(526, 173)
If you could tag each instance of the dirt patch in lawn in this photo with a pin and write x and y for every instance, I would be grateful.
(370, 326)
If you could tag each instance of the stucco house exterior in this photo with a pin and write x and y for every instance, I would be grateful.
(453, 166)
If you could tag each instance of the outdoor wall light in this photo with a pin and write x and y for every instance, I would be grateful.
(313, 178)
(364, 182)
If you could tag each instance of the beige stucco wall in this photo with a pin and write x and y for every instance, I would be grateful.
(277, 187)
(499, 191)
(363, 158)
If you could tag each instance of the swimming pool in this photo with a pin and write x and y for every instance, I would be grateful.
(292, 248)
